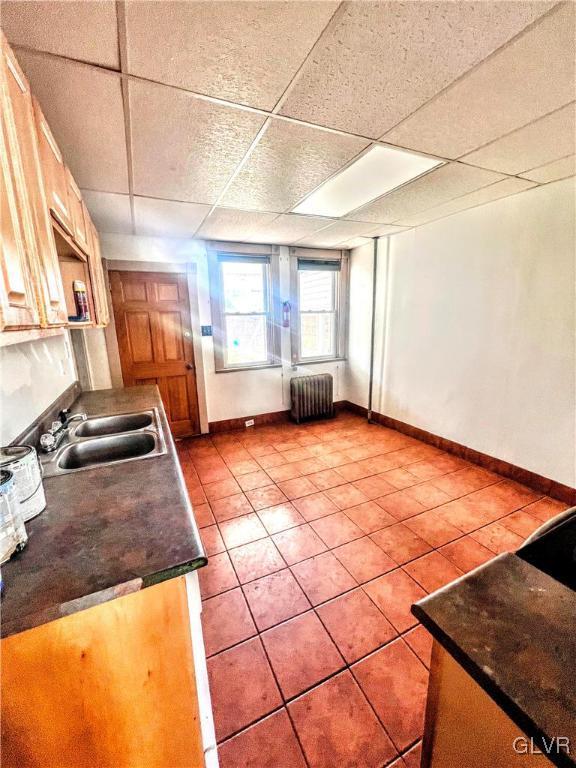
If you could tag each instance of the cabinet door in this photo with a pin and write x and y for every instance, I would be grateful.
(98, 278)
(53, 171)
(80, 233)
(18, 308)
(41, 248)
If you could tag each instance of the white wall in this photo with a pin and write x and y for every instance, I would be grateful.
(233, 394)
(480, 321)
(32, 376)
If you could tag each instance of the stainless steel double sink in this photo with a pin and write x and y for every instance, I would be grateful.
(103, 440)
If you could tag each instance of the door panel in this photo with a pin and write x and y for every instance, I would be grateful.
(139, 334)
(153, 325)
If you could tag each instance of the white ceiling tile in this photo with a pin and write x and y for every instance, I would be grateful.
(355, 242)
(559, 169)
(246, 52)
(530, 77)
(435, 188)
(289, 161)
(379, 61)
(185, 148)
(337, 233)
(386, 229)
(288, 228)
(547, 139)
(86, 31)
(167, 218)
(500, 189)
(83, 106)
(110, 212)
(231, 224)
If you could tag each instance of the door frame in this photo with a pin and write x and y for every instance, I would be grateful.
(190, 269)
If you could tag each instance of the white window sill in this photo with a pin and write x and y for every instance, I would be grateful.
(248, 368)
(320, 361)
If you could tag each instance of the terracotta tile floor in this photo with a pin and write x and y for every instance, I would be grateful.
(320, 537)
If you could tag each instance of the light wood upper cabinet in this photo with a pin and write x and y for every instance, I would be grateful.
(48, 238)
(97, 276)
(18, 305)
(36, 220)
(54, 172)
(80, 230)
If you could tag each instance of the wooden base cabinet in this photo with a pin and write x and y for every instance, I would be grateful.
(466, 728)
(122, 684)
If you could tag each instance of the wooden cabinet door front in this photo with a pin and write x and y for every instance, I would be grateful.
(54, 172)
(41, 248)
(18, 308)
(153, 325)
(80, 233)
(97, 277)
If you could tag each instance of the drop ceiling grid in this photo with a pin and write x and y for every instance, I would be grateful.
(246, 160)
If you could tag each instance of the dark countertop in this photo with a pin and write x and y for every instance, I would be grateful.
(106, 531)
(513, 629)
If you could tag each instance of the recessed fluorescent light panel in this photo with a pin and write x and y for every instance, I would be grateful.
(377, 171)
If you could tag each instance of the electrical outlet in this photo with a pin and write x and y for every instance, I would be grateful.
(249, 423)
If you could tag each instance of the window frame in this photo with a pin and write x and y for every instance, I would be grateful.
(271, 282)
(340, 304)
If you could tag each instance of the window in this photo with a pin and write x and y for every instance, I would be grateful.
(245, 335)
(318, 303)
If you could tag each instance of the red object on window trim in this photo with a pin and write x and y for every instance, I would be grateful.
(286, 314)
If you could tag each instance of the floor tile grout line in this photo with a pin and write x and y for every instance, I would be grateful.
(257, 632)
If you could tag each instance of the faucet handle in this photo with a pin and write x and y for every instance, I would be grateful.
(47, 441)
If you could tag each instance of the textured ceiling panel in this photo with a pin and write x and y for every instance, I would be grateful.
(110, 212)
(288, 228)
(289, 162)
(166, 218)
(185, 148)
(355, 242)
(479, 197)
(337, 233)
(529, 78)
(386, 229)
(230, 224)
(246, 52)
(83, 106)
(379, 61)
(559, 169)
(86, 31)
(434, 188)
(547, 139)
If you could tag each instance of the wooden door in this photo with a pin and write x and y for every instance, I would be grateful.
(41, 247)
(18, 308)
(153, 325)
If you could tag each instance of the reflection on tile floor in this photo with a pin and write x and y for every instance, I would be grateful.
(320, 537)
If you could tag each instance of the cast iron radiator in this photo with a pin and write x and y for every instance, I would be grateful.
(311, 396)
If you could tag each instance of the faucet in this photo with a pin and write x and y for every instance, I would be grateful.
(51, 439)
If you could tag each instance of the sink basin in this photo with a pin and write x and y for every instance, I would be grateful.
(106, 450)
(111, 425)
(103, 440)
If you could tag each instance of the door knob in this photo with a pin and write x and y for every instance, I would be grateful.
(190, 366)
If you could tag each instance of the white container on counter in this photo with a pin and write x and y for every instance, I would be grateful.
(22, 462)
(13, 536)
